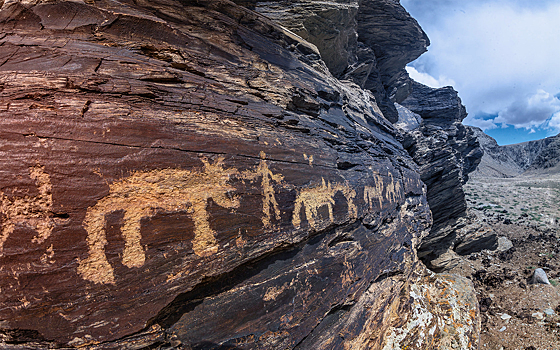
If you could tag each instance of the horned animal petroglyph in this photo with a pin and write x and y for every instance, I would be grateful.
(312, 199)
(393, 191)
(140, 196)
(375, 192)
(31, 211)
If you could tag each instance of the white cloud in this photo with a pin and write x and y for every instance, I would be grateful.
(531, 111)
(554, 123)
(501, 54)
(484, 124)
(539, 110)
(428, 80)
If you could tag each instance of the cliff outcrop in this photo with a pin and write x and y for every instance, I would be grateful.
(446, 152)
(189, 174)
(367, 42)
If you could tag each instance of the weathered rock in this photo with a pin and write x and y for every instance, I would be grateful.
(471, 236)
(446, 152)
(330, 25)
(396, 39)
(539, 277)
(368, 42)
(190, 174)
(433, 318)
(504, 244)
(408, 120)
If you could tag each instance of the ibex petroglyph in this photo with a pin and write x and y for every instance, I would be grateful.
(140, 196)
(316, 197)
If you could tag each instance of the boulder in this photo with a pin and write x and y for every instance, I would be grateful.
(472, 236)
(436, 318)
(539, 277)
(504, 244)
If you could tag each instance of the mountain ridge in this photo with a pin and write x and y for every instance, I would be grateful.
(530, 157)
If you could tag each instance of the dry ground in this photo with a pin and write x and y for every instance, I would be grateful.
(515, 313)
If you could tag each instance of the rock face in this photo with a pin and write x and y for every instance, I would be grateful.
(513, 160)
(446, 152)
(496, 161)
(367, 42)
(189, 174)
(548, 159)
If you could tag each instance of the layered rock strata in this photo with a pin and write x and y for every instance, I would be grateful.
(367, 42)
(446, 152)
(191, 175)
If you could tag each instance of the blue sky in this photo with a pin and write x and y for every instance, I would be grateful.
(503, 58)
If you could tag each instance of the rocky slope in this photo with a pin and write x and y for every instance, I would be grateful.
(190, 174)
(540, 156)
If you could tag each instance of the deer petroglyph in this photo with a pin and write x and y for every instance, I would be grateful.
(31, 211)
(312, 199)
(140, 196)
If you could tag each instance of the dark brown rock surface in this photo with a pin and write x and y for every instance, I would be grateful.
(190, 175)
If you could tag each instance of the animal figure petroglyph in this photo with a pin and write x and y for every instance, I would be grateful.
(30, 211)
(393, 191)
(316, 197)
(374, 193)
(140, 196)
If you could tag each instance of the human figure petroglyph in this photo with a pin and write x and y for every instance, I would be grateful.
(140, 196)
(30, 211)
(393, 191)
(312, 199)
(270, 205)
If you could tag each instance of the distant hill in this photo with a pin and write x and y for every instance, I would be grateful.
(540, 156)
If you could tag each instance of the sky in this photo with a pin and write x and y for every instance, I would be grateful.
(502, 56)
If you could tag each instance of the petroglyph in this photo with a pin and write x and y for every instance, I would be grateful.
(270, 205)
(393, 191)
(374, 193)
(144, 193)
(31, 211)
(312, 199)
